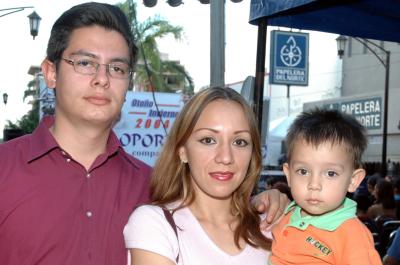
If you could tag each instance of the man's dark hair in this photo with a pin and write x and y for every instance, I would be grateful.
(385, 194)
(373, 179)
(318, 126)
(396, 183)
(363, 202)
(85, 15)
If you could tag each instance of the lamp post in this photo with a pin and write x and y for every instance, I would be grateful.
(34, 18)
(341, 42)
(217, 43)
(11, 10)
(152, 3)
(5, 98)
(34, 22)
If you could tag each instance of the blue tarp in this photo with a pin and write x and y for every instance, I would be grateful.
(371, 19)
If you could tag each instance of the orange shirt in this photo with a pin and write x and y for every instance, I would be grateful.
(300, 242)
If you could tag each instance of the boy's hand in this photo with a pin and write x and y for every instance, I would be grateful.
(271, 202)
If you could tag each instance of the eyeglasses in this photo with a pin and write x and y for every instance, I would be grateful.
(118, 70)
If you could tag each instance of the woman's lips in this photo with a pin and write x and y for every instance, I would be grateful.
(222, 176)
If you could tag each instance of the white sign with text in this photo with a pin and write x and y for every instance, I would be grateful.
(145, 122)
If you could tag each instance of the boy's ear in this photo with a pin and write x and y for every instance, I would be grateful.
(287, 172)
(356, 178)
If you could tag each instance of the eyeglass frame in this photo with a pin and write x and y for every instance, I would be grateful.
(97, 66)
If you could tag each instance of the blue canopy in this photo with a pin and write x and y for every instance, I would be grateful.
(371, 19)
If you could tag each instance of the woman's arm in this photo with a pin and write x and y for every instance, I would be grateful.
(144, 257)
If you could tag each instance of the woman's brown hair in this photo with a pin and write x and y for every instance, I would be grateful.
(171, 180)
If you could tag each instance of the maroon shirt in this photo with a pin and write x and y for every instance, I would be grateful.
(54, 212)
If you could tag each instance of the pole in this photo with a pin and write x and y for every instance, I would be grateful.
(385, 64)
(385, 114)
(217, 43)
(13, 10)
(260, 72)
(288, 99)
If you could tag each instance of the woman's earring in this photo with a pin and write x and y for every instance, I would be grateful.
(183, 161)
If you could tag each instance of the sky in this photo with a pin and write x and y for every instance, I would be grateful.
(19, 51)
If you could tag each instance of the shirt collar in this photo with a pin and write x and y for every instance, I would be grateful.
(42, 141)
(329, 221)
(113, 144)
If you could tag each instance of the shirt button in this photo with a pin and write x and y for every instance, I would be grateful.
(88, 175)
(302, 224)
(63, 152)
(68, 160)
(89, 214)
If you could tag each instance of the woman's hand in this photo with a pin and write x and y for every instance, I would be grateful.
(271, 202)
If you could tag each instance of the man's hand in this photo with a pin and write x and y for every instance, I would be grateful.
(271, 202)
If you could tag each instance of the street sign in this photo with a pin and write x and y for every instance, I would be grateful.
(289, 58)
(367, 111)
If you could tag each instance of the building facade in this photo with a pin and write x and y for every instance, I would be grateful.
(362, 94)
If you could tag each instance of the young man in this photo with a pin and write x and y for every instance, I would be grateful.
(324, 163)
(67, 190)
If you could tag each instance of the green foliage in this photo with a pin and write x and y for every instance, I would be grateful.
(29, 92)
(146, 34)
(11, 125)
(28, 122)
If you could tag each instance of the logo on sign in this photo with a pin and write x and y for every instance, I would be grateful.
(291, 53)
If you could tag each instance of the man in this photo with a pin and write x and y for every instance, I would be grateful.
(393, 254)
(396, 190)
(67, 190)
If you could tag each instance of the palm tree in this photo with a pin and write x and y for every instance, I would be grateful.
(151, 70)
(27, 123)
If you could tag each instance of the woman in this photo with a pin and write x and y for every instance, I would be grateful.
(204, 175)
(385, 204)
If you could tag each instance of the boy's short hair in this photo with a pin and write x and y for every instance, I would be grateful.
(317, 126)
